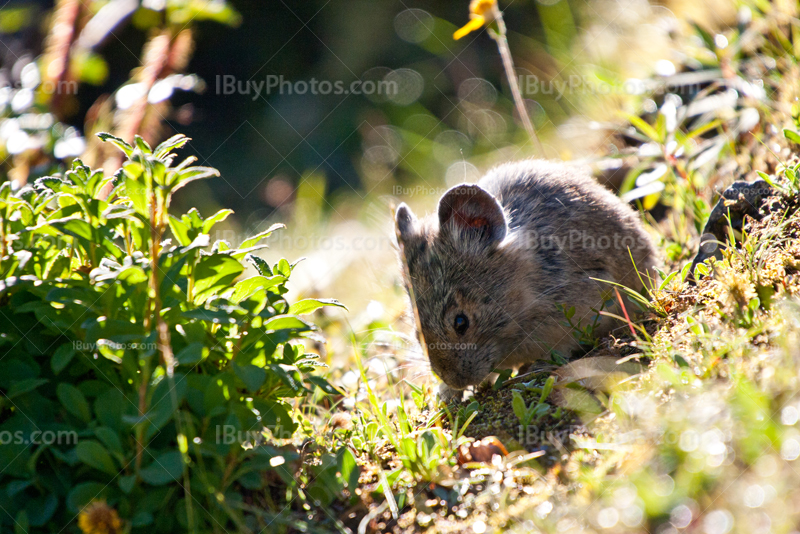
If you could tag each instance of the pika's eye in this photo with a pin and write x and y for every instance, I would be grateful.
(461, 324)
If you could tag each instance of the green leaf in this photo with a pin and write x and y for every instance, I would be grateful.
(250, 286)
(283, 268)
(132, 276)
(166, 399)
(114, 330)
(142, 145)
(192, 220)
(502, 376)
(348, 471)
(538, 410)
(84, 493)
(218, 217)
(307, 306)
(192, 354)
(25, 386)
(322, 384)
(173, 275)
(41, 509)
(643, 127)
(548, 388)
(704, 128)
(790, 175)
(191, 174)
(767, 178)
(287, 322)
(76, 228)
(180, 230)
(220, 316)
(252, 376)
(122, 145)
(126, 483)
(220, 245)
(260, 264)
(109, 408)
(61, 357)
(212, 274)
(251, 480)
(110, 439)
(95, 455)
(307, 364)
(680, 360)
(253, 241)
(667, 280)
(17, 486)
(73, 401)
(518, 405)
(685, 271)
(791, 135)
(650, 201)
(137, 192)
(705, 36)
(164, 469)
(21, 523)
(275, 417)
(176, 141)
(290, 378)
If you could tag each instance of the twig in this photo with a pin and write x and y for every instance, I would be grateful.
(500, 38)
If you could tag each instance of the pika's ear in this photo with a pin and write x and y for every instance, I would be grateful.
(471, 210)
(405, 222)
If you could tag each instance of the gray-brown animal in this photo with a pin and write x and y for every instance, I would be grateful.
(489, 270)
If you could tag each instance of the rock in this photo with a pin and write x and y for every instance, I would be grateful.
(739, 200)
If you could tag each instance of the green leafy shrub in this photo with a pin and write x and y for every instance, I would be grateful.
(134, 366)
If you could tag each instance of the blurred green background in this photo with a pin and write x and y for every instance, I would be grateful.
(452, 101)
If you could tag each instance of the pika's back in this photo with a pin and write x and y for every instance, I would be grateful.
(551, 205)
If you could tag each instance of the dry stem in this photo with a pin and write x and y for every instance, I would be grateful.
(508, 64)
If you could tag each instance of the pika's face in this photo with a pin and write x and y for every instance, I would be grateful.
(463, 285)
(465, 325)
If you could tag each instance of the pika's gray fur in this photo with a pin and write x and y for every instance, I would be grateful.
(488, 271)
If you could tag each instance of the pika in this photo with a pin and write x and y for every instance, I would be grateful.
(488, 271)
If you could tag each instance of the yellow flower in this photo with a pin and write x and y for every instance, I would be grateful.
(99, 518)
(480, 13)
